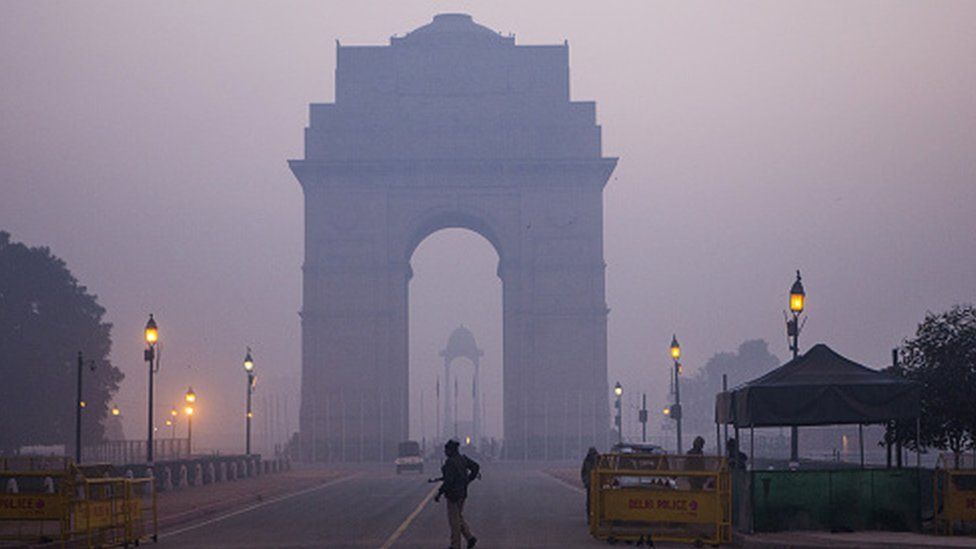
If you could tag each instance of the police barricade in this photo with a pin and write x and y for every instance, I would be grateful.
(34, 505)
(62, 505)
(650, 498)
(954, 492)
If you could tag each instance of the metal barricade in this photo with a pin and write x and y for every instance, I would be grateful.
(35, 505)
(646, 497)
(954, 492)
(62, 505)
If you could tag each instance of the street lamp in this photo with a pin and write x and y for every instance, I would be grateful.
(618, 391)
(676, 409)
(793, 327)
(79, 405)
(190, 399)
(249, 368)
(115, 411)
(149, 355)
(172, 421)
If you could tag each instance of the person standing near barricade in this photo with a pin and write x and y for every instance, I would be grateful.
(589, 463)
(456, 473)
(736, 459)
(696, 462)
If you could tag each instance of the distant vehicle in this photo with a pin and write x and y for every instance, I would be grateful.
(639, 455)
(637, 448)
(409, 457)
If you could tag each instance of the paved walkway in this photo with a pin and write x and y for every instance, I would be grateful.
(867, 540)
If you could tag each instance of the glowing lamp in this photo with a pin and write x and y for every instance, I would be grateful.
(173, 412)
(675, 348)
(248, 362)
(152, 331)
(190, 396)
(618, 390)
(188, 410)
(797, 295)
(116, 411)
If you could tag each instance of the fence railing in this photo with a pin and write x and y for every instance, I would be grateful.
(119, 452)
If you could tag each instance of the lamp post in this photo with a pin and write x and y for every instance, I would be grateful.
(190, 399)
(152, 337)
(79, 405)
(793, 327)
(676, 409)
(618, 391)
(171, 422)
(249, 368)
(642, 417)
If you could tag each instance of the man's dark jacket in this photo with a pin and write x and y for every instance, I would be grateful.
(458, 470)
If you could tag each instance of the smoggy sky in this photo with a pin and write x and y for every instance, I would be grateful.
(145, 143)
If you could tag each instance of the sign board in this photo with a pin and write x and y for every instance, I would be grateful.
(30, 507)
(961, 505)
(661, 505)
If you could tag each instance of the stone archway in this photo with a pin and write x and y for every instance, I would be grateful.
(453, 126)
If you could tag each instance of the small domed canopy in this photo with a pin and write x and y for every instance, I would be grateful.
(462, 344)
(452, 27)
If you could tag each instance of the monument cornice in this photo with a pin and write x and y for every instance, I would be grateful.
(455, 172)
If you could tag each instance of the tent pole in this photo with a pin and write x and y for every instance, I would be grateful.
(752, 447)
(794, 443)
(918, 442)
(725, 389)
(860, 442)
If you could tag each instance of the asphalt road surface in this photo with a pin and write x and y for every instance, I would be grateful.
(511, 506)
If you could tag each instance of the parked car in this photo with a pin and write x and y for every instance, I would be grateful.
(409, 457)
(641, 455)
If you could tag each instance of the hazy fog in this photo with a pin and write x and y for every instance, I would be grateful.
(145, 143)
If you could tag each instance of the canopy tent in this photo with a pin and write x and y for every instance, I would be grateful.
(819, 387)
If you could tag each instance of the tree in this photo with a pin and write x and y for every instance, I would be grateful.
(46, 318)
(751, 360)
(942, 359)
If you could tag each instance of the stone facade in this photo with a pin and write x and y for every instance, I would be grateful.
(453, 126)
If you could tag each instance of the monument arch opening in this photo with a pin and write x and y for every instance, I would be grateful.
(455, 339)
(453, 125)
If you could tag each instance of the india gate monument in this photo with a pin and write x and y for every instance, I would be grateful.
(453, 126)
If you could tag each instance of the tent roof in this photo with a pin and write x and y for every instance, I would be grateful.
(819, 387)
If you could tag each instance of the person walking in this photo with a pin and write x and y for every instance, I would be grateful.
(589, 463)
(457, 472)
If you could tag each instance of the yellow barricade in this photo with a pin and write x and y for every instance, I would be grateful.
(954, 492)
(646, 497)
(62, 505)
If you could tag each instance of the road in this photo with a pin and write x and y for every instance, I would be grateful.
(511, 506)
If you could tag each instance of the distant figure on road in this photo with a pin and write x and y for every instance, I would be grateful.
(589, 463)
(696, 462)
(737, 460)
(456, 473)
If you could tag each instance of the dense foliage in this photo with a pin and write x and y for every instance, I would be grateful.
(941, 357)
(751, 360)
(46, 318)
